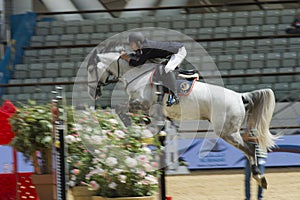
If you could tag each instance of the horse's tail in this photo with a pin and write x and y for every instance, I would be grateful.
(260, 108)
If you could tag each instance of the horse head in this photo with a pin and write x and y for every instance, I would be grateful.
(107, 68)
(103, 69)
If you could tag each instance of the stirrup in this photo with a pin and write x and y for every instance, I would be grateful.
(172, 100)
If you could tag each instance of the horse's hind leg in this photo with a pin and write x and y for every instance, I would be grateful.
(237, 141)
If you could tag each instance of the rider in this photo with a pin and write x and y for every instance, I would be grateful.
(145, 49)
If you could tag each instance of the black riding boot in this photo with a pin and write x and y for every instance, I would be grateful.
(171, 84)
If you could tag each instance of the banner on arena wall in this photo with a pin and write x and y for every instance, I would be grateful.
(22, 28)
(222, 155)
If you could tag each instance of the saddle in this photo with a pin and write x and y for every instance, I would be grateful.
(185, 79)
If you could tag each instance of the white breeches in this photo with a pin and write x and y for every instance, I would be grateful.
(176, 59)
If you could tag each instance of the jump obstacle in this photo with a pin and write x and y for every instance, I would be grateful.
(58, 143)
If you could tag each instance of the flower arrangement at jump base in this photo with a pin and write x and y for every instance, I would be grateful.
(123, 165)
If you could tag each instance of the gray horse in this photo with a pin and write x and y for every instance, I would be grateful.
(225, 109)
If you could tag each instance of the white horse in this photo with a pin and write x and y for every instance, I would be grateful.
(225, 109)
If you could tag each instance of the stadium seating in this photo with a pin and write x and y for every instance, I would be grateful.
(65, 47)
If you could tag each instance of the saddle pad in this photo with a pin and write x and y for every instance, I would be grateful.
(184, 86)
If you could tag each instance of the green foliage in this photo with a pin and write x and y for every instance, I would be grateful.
(32, 125)
(122, 164)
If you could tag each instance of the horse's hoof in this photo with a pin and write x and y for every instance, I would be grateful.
(264, 183)
(261, 181)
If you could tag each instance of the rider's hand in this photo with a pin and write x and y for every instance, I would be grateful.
(124, 56)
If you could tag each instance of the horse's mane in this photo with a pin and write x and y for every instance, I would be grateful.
(138, 71)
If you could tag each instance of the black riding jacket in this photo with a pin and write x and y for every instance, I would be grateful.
(153, 49)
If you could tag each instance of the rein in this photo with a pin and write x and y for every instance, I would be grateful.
(142, 74)
(117, 78)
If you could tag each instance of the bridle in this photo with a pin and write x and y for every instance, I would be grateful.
(116, 79)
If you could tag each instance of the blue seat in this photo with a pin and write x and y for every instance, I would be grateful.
(287, 16)
(272, 16)
(194, 21)
(247, 46)
(62, 54)
(205, 33)
(268, 29)
(269, 79)
(37, 40)
(87, 26)
(179, 22)
(264, 45)
(29, 89)
(36, 70)
(83, 38)
(52, 40)
(273, 60)
(253, 30)
(279, 44)
(67, 39)
(102, 26)
(68, 69)
(15, 90)
(51, 70)
(21, 71)
(210, 20)
(241, 61)
(232, 46)
(58, 27)
(225, 19)
(289, 59)
(257, 60)
(236, 31)
(221, 32)
(47, 88)
(133, 22)
(225, 62)
(73, 27)
(256, 17)
(241, 18)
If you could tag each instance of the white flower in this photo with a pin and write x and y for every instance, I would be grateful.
(94, 185)
(143, 159)
(97, 171)
(151, 179)
(137, 128)
(131, 162)
(78, 127)
(71, 183)
(73, 178)
(147, 150)
(148, 167)
(122, 178)
(95, 160)
(147, 134)
(70, 139)
(96, 139)
(113, 121)
(111, 161)
(141, 173)
(116, 171)
(119, 134)
(112, 185)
